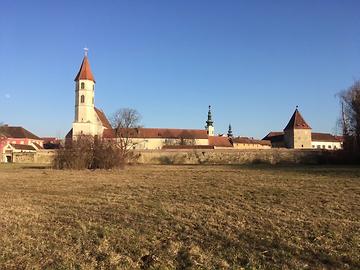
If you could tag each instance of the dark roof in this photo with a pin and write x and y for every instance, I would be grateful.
(102, 117)
(69, 134)
(85, 71)
(274, 136)
(23, 147)
(17, 132)
(51, 140)
(50, 145)
(219, 141)
(246, 140)
(297, 122)
(38, 146)
(324, 137)
(170, 133)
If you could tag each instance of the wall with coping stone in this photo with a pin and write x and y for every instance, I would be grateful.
(270, 156)
(44, 156)
(40, 157)
(211, 156)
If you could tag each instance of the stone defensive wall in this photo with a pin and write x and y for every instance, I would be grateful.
(204, 156)
(223, 156)
(40, 157)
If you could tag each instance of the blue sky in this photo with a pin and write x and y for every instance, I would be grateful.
(253, 61)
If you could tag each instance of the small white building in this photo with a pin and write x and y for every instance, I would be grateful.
(326, 141)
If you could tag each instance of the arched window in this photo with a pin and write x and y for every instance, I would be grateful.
(93, 100)
(82, 85)
(93, 87)
(82, 98)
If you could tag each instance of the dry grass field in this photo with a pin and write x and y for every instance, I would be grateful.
(180, 217)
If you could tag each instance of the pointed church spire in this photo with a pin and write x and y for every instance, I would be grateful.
(85, 70)
(230, 134)
(209, 121)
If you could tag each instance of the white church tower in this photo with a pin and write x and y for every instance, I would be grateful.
(88, 119)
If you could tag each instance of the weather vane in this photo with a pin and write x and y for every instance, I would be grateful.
(86, 51)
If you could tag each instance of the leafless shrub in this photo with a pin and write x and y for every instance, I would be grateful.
(88, 152)
(125, 122)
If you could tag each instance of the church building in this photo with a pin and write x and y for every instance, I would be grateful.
(88, 120)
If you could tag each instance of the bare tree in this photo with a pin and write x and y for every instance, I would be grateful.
(350, 116)
(1, 127)
(125, 123)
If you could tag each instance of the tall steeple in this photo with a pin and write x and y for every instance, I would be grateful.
(209, 124)
(85, 121)
(85, 70)
(230, 134)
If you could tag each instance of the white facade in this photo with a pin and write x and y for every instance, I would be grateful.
(211, 130)
(326, 145)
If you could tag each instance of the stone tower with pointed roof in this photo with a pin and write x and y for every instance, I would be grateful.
(88, 119)
(297, 133)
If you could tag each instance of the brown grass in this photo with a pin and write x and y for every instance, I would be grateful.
(180, 217)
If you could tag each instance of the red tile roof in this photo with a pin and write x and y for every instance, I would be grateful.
(17, 132)
(246, 140)
(324, 137)
(102, 117)
(297, 122)
(85, 71)
(108, 133)
(160, 133)
(219, 141)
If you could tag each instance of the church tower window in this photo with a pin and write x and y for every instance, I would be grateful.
(82, 98)
(82, 85)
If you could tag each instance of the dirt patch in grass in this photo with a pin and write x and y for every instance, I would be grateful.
(180, 217)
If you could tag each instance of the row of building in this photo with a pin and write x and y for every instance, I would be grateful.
(92, 121)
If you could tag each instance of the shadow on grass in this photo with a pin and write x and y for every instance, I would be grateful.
(36, 167)
(335, 169)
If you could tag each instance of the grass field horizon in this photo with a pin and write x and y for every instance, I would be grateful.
(180, 217)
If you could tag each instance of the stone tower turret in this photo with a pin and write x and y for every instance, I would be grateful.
(297, 133)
